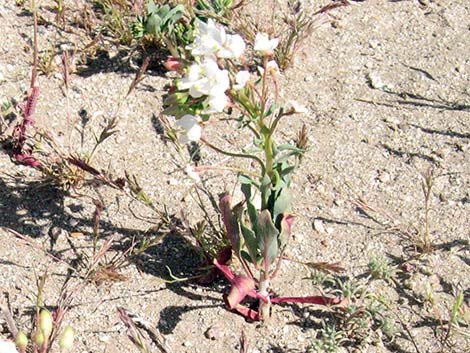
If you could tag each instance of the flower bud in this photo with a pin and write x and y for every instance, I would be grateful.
(39, 339)
(45, 323)
(21, 341)
(67, 338)
(173, 64)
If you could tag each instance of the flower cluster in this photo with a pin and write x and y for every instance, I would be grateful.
(206, 81)
(212, 40)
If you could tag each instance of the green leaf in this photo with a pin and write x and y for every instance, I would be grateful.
(283, 203)
(266, 191)
(173, 15)
(266, 234)
(243, 179)
(284, 158)
(286, 171)
(151, 7)
(271, 109)
(251, 244)
(153, 26)
(251, 209)
(287, 147)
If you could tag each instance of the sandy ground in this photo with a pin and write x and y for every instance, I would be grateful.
(388, 93)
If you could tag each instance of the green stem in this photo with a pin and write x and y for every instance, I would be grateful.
(268, 153)
(233, 169)
(233, 154)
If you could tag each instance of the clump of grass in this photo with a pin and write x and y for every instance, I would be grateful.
(297, 25)
(117, 18)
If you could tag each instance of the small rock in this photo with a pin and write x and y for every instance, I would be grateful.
(375, 81)
(374, 43)
(214, 333)
(104, 338)
(318, 226)
(384, 177)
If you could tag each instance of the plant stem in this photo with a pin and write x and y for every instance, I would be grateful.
(264, 308)
(233, 154)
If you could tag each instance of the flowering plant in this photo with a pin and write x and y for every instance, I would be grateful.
(258, 231)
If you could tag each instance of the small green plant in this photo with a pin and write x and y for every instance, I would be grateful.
(380, 268)
(162, 25)
(328, 340)
(458, 321)
(217, 9)
(363, 313)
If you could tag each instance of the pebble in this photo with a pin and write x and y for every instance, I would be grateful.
(318, 226)
(104, 338)
(214, 333)
(308, 78)
(374, 43)
(384, 177)
(376, 82)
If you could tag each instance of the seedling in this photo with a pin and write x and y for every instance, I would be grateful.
(380, 268)
(161, 24)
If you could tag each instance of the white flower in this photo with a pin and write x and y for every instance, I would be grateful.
(264, 44)
(215, 103)
(212, 40)
(233, 47)
(192, 173)
(272, 68)
(190, 124)
(241, 78)
(208, 40)
(295, 107)
(7, 347)
(205, 79)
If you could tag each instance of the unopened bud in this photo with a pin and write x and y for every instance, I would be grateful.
(39, 339)
(21, 341)
(173, 64)
(67, 338)
(46, 323)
